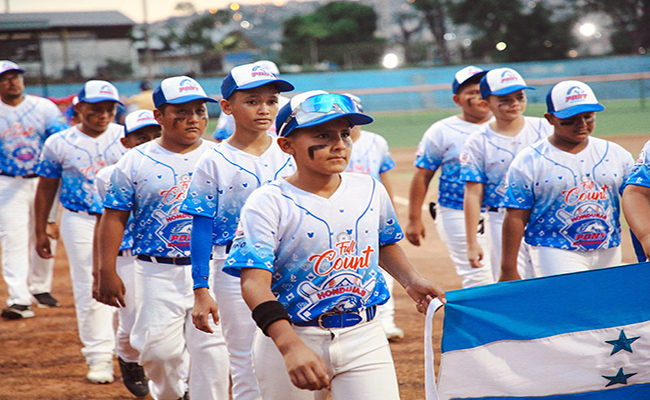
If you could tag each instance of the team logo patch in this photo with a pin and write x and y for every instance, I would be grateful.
(508, 77)
(344, 256)
(144, 116)
(188, 85)
(575, 94)
(259, 71)
(106, 89)
(641, 158)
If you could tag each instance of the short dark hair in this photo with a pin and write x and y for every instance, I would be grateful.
(474, 80)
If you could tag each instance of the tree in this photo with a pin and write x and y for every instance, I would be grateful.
(410, 25)
(631, 21)
(435, 15)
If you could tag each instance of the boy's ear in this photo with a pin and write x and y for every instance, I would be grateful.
(226, 106)
(456, 99)
(157, 114)
(550, 118)
(124, 142)
(286, 145)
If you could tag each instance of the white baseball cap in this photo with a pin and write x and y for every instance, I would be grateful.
(250, 76)
(95, 91)
(569, 98)
(179, 90)
(270, 65)
(6, 66)
(502, 81)
(139, 119)
(464, 75)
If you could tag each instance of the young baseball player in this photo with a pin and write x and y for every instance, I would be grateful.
(485, 158)
(440, 148)
(140, 127)
(307, 249)
(226, 122)
(636, 204)
(371, 156)
(72, 158)
(151, 181)
(223, 179)
(563, 192)
(25, 122)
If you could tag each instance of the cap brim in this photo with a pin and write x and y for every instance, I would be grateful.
(282, 85)
(353, 118)
(575, 110)
(99, 100)
(511, 89)
(151, 123)
(22, 71)
(455, 85)
(188, 98)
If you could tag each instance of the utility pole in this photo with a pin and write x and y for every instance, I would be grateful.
(147, 55)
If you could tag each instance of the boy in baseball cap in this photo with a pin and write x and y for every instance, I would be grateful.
(308, 248)
(563, 192)
(485, 159)
(140, 126)
(222, 181)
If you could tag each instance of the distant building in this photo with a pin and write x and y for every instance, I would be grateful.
(68, 44)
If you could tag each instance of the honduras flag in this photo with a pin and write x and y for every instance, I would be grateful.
(583, 335)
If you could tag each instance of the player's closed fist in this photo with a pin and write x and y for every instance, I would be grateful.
(306, 369)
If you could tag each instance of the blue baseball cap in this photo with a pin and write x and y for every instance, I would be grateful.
(6, 66)
(138, 119)
(317, 107)
(250, 76)
(466, 74)
(569, 98)
(502, 81)
(179, 90)
(96, 91)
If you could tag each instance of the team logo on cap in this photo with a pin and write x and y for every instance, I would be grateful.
(187, 85)
(508, 76)
(259, 70)
(106, 89)
(575, 93)
(144, 116)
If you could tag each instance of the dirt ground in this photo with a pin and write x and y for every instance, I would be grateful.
(41, 359)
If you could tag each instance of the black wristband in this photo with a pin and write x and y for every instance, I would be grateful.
(268, 312)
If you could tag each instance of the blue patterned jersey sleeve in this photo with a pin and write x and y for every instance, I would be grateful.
(120, 195)
(640, 173)
(202, 195)
(389, 229)
(429, 155)
(519, 189)
(49, 164)
(472, 160)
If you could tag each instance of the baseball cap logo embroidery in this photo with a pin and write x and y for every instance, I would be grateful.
(187, 85)
(259, 70)
(144, 116)
(106, 90)
(575, 94)
(508, 76)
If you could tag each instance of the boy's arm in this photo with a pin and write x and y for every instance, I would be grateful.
(514, 225)
(418, 191)
(201, 248)
(393, 259)
(110, 233)
(472, 201)
(96, 258)
(384, 177)
(636, 207)
(306, 369)
(45, 193)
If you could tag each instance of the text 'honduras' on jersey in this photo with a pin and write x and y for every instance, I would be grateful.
(224, 178)
(370, 155)
(23, 130)
(76, 158)
(573, 198)
(323, 253)
(152, 182)
(102, 180)
(486, 156)
(640, 175)
(440, 147)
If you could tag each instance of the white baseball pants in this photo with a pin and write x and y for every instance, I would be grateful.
(494, 230)
(358, 359)
(24, 272)
(169, 343)
(95, 320)
(125, 267)
(238, 327)
(551, 261)
(450, 224)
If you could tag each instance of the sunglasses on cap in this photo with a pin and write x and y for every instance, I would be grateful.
(318, 106)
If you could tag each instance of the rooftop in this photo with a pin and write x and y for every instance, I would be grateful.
(55, 20)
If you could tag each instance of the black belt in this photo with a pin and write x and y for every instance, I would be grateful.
(228, 247)
(83, 212)
(28, 176)
(330, 320)
(493, 209)
(166, 260)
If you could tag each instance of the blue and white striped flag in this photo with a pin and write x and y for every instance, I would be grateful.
(583, 335)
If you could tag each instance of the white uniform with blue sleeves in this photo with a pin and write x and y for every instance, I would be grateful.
(23, 130)
(440, 148)
(75, 158)
(370, 155)
(640, 175)
(485, 159)
(323, 254)
(574, 200)
(152, 182)
(125, 268)
(223, 179)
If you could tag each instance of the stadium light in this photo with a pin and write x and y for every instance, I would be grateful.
(390, 61)
(587, 29)
(501, 46)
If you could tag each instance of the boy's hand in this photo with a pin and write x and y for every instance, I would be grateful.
(52, 230)
(111, 289)
(43, 246)
(475, 255)
(423, 291)
(306, 369)
(510, 274)
(204, 305)
(414, 231)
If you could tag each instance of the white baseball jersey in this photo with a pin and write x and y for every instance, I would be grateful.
(370, 155)
(102, 181)
(23, 130)
(573, 198)
(486, 156)
(323, 253)
(441, 147)
(76, 158)
(640, 174)
(224, 178)
(152, 182)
